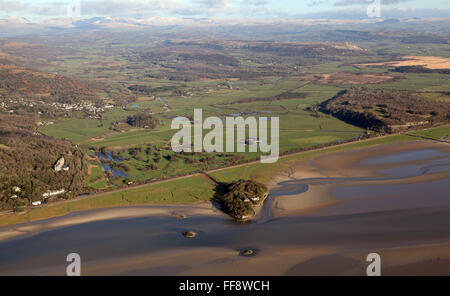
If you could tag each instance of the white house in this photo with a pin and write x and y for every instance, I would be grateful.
(53, 193)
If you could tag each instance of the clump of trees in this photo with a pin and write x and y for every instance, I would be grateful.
(239, 198)
(419, 69)
(386, 111)
(26, 164)
(143, 120)
(148, 90)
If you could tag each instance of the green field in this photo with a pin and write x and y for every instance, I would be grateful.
(434, 133)
(291, 90)
(298, 127)
(193, 189)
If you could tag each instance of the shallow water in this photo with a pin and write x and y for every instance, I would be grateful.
(406, 156)
(367, 217)
(116, 173)
(106, 157)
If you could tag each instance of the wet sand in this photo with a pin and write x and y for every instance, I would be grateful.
(322, 218)
(331, 179)
(177, 211)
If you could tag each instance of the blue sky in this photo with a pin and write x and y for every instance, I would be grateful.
(42, 9)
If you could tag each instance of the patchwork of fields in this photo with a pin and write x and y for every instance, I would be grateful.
(139, 75)
(289, 99)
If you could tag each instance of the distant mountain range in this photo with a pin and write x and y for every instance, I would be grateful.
(22, 26)
(129, 22)
(15, 21)
(104, 22)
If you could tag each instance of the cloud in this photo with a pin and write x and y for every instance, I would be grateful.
(357, 13)
(92, 7)
(366, 2)
(255, 7)
(256, 3)
(49, 9)
(121, 7)
(141, 8)
(208, 7)
(342, 9)
(313, 3)
(11, 6)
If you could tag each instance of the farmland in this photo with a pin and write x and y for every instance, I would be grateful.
(122, 77)
(298, 127)
(224, 138)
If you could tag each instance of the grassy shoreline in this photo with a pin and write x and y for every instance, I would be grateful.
(189, 189)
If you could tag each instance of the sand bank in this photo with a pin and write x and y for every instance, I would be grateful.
(203, 208)
(346, 166)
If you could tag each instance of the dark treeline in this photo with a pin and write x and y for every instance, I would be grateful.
(149, 90)
(419, 69)
(386, 111)
(143, 120)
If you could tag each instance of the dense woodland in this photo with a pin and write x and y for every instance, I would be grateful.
(26, 162)
(386, 111)
(43, 86)
(188, 60)
(143, 120)
(419, 69)
(240, 197)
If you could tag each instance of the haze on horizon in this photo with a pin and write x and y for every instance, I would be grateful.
(41, 10)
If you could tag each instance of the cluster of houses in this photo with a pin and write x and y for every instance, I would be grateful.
(8, 104)
(88, 107)
(46, 195)
(44, 123)
(59, 166)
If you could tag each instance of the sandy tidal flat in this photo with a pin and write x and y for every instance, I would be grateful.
(322, 218)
